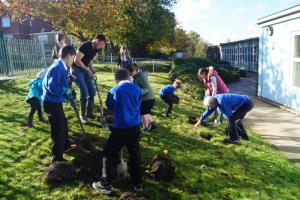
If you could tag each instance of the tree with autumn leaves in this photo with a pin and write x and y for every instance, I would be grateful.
(145, 26)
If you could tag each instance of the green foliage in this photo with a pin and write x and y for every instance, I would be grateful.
(186, 69)
(181, 40)
(130, 22)
(205, 169)
(197, 46)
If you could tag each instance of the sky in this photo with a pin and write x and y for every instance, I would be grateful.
(217, 21)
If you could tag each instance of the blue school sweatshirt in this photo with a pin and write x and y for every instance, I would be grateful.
(36, 89)
(55, 83)
(227, 103)
(125, 101)
(167, 90)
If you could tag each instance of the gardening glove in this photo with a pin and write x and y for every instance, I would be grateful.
(67, 91)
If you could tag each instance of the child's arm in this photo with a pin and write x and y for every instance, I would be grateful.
(54, 83)
(110, 101)
(214, 85)
(144, 86)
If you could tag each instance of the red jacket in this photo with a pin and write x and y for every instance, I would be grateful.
(221, 86)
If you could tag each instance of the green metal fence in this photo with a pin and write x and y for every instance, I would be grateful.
(21, 57)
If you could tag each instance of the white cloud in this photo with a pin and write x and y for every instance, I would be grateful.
(260, 6)
(241, 9)
(193, 10)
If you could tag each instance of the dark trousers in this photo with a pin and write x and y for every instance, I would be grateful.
(170, 100)
(235, 124)
(59, 128)
(129, 137)
(35, 105)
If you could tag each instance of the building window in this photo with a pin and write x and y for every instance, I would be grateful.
(5, 22)
(296, 61)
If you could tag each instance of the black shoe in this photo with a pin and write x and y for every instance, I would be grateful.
(29, 125)
(137, 187)
(229, 141)
(153, 126)
(147, 129)
(245, 138)
(103, 186)
(91, 116)
(235, 142)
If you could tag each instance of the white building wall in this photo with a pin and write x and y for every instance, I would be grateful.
(276, 66)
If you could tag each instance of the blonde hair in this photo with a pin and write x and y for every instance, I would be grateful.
(178, 83)
(210, 70)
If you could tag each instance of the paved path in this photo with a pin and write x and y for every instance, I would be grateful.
(277, 126)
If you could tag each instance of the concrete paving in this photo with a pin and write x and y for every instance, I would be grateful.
(277, 126)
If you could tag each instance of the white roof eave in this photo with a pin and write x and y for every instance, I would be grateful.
(279, 17)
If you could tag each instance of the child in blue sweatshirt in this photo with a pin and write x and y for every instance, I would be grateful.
(168, 96)
(234, 107)
(125, 101)
(34, 98)
(55, 90)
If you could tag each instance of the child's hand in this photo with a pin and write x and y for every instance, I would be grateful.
(198, 123)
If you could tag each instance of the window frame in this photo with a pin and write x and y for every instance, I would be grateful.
(293, 59)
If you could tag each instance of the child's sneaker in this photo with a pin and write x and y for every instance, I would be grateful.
(137, 187)
(103, 186)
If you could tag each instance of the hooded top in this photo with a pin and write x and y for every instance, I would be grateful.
(36, 89)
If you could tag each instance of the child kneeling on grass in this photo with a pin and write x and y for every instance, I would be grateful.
(34, 98)
(55, 90)
(234, 107)
(125, 101)
(168, 96)
(148, 99)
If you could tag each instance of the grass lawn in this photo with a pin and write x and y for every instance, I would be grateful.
(204, 169)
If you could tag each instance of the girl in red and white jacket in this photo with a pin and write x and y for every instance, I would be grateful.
(213, 82)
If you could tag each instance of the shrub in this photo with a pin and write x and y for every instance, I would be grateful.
(186, 70)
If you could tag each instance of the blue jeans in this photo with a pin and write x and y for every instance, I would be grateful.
(85, 84)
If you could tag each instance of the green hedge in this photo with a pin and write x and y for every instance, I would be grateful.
(186, 70)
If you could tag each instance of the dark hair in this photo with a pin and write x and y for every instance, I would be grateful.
(121, 75)
(100, 37)
(202, 71)
(67, 50)
(60, 37)
(131, 67)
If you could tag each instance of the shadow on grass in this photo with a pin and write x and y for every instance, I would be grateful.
(20, 119)
(8, 86)
(15, 193)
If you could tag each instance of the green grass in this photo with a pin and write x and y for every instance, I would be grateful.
(204, 169)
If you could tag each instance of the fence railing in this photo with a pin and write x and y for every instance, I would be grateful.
(147, 64)
(26, 57)
(21, 57)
